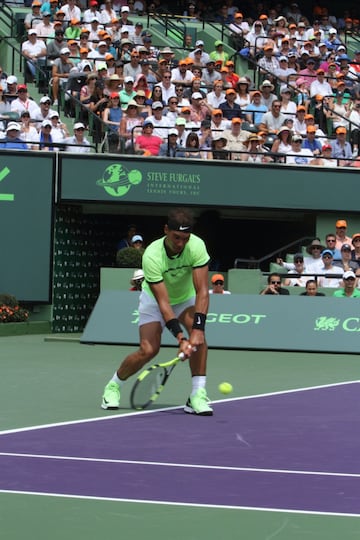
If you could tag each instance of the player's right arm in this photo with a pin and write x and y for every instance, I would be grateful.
(160, 293)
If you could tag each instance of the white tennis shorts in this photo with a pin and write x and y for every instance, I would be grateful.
(149, 309)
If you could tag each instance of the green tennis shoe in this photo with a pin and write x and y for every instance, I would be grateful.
(111, 397)
(199, 404)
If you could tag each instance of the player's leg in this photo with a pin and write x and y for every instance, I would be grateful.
(150, 339)
(198, 402)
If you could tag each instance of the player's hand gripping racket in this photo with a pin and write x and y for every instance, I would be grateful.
(150, 383)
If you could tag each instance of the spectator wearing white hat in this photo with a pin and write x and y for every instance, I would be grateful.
(171, 148)
(124, 16)
(44, 136)
(60, 72)
(78, 143)
(59, 130)
(159, 121)
(34, 50)
(137, 241)
(43, 111)
(12, 139)
(137, 280)
(199, 108)
(9, 85)
(204, 56)
(349, 290)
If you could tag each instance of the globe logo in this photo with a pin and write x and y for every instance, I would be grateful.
(117, 180)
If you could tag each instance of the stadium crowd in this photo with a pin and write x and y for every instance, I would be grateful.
(107, 74)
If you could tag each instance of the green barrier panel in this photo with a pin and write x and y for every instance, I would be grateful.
(26, 206)
(164, 181)
(243, 322)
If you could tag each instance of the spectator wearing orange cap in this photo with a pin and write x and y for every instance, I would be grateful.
(133, 68)
(255, 111)
(73, 31)
(237, 138)
(320, 86)
(217, 283)
(341, 238)
(231, 76)
(341, 148)
(218, 122)
(33, 18)
(181, 74)
(299, 122)
(268, 64)
(311, 142)
(229, 107)
(239, 27)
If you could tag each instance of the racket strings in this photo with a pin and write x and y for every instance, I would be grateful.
(148, 387)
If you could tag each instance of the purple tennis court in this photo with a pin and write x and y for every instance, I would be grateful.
(294, 450)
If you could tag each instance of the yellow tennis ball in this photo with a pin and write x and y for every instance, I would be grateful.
(225, 388)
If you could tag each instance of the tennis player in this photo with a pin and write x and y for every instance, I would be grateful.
(175, 291)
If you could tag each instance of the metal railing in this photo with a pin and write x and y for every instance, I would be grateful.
(295, 246)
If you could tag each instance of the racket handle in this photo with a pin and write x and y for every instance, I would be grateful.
(182, 356)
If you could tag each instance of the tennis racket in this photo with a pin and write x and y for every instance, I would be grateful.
(150, 383)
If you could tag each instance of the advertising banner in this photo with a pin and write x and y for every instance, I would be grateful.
(180, 181)
(26, 207)
(235, 321)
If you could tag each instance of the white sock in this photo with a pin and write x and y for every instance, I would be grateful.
(116, 379)
(198, 381)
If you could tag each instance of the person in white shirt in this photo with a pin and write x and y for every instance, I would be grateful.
(327, 269)
(320, 86)
(297, 154)
(204, 56)
(78, 139)
(23, 103)
(34, 50)
(217, 282)
(299, 268)
(71, 10)
(167, 87)
(92, 12)
(181, 74)
(217, 95)
(159, 121)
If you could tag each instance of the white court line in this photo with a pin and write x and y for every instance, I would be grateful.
(179, 465)
(182, 504)
(153, 411)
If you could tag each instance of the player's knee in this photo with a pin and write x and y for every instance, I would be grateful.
(148, 350)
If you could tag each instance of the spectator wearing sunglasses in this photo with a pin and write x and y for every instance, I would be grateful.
(217, 283)
(326, 280)
(341, 237)
(349, 289)
(274, 285)
(299, 268)
(346, 263)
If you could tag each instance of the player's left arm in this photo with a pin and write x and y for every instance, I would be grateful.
(200, 280)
